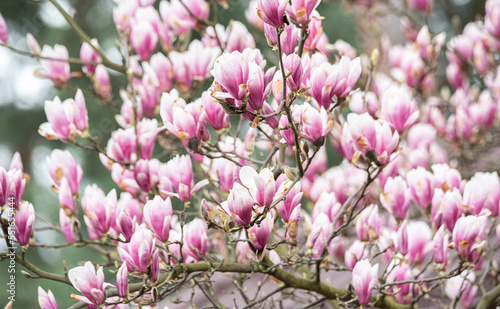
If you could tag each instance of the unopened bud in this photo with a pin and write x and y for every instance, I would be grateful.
(293, 228)
(374, 57)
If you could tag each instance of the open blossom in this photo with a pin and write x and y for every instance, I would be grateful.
(24, 219)
(301, 10)
(446, 207)
(61, 164)
(315, 125)
(468, 235)
(355, 253)
(362, 134)
(364, 279)
(421, 183)
(55, 70)
(138, 252)
(240, 204)
(99, 209)
(396, 197)
(88, 282)
(369, 224)
(65, 119)
(259, 235)
(289, 209)
(399, 108)
(272, 12)
(179, 19)
(475, 193)
(195, 240)
(320, 231)
(213, 113)
(46, 300)
(401, 272)
(338, 80)
(158, 215)
(179, 171)
(419, 241)
(261, 185)
(89, 54)
(231, 71)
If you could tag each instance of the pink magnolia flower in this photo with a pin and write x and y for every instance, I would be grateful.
(440, 246)
(338, 80)
(252, 17)
(122, 145)
(272, 12)
(293, 66)
(396, 197)
(61, 164)
(88, 282)
(158, 215)
(315, 32)
(289, 209)
(468, 234)
(179, 19)
(24, 219)
(4, 33)
(195, 240)
(368, 224)
(33, 45)
(55, 70)
(66, 224)
(16, 162)
(143, 39)
(89, 54)
(364, 279)
(46, 300)
(492, 184)
(65, 119)
(399, 108)
(261, 185)
(138, 252)
(102, 84)
(320, 231)
(288, 38)
(240, 204)
(419, 240)
(402, 238)
(492, 19)
(463, 287)
(301, 10)
(355, 253)
(128, 212)
(179, 171)
(421, 183)
(446, 177)
(99, 209)
(122, 281)
(15, 184)
(259, 235)
(231, 71)
(213, 113)
(66, 197)
(361, 134)
(401, 272)
(475, 193)
(327, 204)
(315, 125)
(446, 207)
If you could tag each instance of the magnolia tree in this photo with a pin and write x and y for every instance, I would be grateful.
(406, 219)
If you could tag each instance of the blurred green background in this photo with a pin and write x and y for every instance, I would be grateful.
(22, 97)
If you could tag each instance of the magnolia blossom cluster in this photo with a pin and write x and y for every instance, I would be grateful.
(223, 149)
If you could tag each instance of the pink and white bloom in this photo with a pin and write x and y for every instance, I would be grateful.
(261, 185)
(240, 204)
(99, 209)
(122, 280)
(355, 253)
(421, 183)
(213, 113)
(419, 240)
(440, 246)
(369, 224)
(315, 125)
(66, 224)
(46, 300)
(396, 197)
(475, 192)
(89, 54)
(179, 171)
(364, 279)
(14, 187)
(301, 10)
(138, 252)
(24, 219)
(195, 240)
(320, 231)
(463, 287)
(272, 12)
(55, 70)
(289, 209)
(143, 39)
(158, 215)
(337, 80)
(101, 83)
(446, 207)
(231, 71)
(88, 282)
(259, 235)
(468, 235)
(399, 108)
(66, 197)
